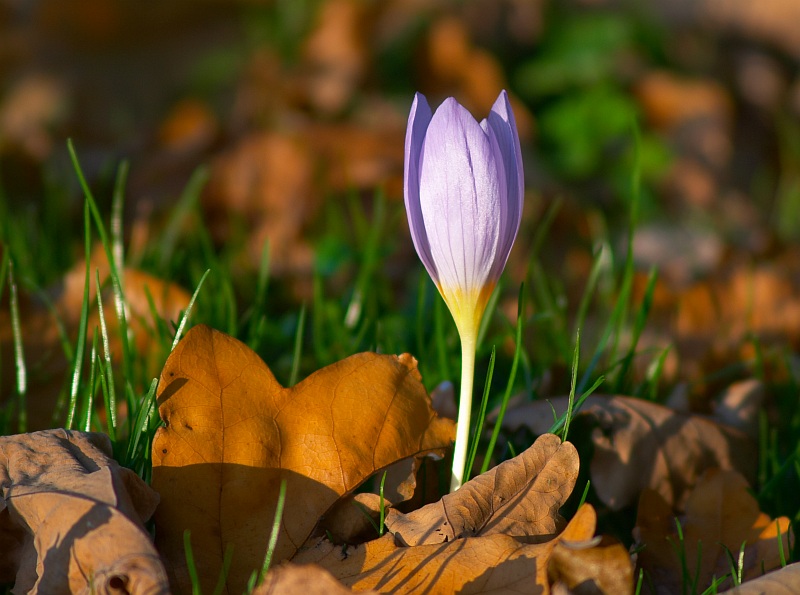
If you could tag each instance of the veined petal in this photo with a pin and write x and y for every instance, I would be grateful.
(462, 187)
(501, 121)
(418, 121)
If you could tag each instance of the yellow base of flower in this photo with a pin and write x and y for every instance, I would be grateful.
(467, 310)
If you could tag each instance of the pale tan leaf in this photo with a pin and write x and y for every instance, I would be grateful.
(519, 497)
(79, 515)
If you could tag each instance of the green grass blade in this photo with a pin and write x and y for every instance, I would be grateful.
(638, 327)
(488, 314)
(194, 578)
(511, 378)
(273, 535)
(473, 450)
(298, 346)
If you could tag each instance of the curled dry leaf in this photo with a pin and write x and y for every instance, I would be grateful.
(720, 513)
(519, 498)
(778, 582)
(233, 434)
(639, 444)
(79, 515)
(489, 563)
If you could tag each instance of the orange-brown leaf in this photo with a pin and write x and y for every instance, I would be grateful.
(79, 515)
(233, 434)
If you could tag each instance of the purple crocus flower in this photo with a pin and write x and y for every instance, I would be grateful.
(463, 194)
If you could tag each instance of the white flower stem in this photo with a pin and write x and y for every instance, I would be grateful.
(468, 340)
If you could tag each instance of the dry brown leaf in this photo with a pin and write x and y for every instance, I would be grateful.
(81, 515)
(493, 563)
(720, 513)
(778, 582)
(520, 498)
(639, 444)
(233, 434)
(293, 579)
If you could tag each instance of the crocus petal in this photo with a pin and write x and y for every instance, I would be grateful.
(462, 190)
(418, 121)
(501, 121)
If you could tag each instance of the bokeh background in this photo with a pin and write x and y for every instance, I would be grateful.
(286, 113)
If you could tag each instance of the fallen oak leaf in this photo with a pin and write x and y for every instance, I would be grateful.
(720, 514)
(80, 515)
(232, 434)
(639, 444)
(494, 563)
(520, 497)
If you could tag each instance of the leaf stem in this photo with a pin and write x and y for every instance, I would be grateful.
(468, 344)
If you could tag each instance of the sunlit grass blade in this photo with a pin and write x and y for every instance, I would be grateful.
(115, 273)
(91, 388)
(19, 354)
(117, 204)
(110, 394)
(80, 342)
(572, 386)
(140, 424)
(188, 311)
